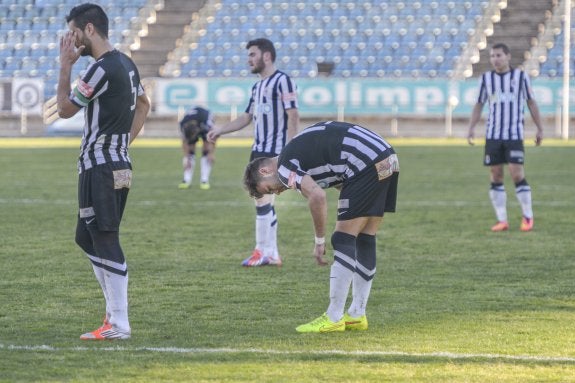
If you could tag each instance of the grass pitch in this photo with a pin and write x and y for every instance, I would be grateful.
(451, 302)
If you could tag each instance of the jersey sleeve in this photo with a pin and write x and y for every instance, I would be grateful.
(482, 96)
(288, 93)
(291, 174)
(250, 108)
(527, 86)
(90, 86)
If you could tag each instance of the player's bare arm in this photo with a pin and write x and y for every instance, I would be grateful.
(69, 54)
(475, 115)
(142, 110)
(534, 110)
(293, 123)
(317, 203)
(239, 123)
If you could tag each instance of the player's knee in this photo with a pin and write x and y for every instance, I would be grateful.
(107, 245)
(343, 243)
(264, 209)
(521, 182)
(84, 240)
(366, 245)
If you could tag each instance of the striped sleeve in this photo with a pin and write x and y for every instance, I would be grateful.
(482, 96)
(527, 86)
(290, 174)
(89, 86)
(288, 92)
(250, 107)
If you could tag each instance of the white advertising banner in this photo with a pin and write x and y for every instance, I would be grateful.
(27, 95)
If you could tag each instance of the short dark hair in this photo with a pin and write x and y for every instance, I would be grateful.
(252, 176)
(86, 13)
(501, 46)
(264, 45)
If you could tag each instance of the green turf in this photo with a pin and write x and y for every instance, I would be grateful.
(451, 301)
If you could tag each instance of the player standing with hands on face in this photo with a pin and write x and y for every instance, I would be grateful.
(273, 110)
(365, 168)
(115, 107)
(506, 90)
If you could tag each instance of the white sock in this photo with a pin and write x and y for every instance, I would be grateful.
(339, 282)
(365, 261)
(189, 169)
(523, 193)
(206, 169)
(360, 292)
(263, 227)
(272, 242)
(117, 287)
(99, 272)
(499, 201)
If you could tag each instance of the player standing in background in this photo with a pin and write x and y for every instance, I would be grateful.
(506, 90)
(115, 109)
(196, 124)
(273, 110)
(365, 168)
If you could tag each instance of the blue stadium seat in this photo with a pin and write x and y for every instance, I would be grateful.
(30, 30)
(348, 29)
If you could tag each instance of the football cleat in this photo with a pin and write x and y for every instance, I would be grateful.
(321, 325)
(204, 186)
(256, 259)
(500, 226)
(354, 324)
(184, 185)
(105, 332)
(276, 261)
(526, 224)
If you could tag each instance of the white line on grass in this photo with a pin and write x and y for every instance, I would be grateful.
(179, 350)
(247, 201)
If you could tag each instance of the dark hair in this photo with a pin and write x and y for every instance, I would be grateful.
(89, 13)
(252, 176)
(264, 45)
(501, 46)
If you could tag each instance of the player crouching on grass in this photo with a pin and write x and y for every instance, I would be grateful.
(365, 168)
(196, 124)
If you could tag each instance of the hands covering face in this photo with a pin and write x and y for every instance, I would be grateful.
(69, 53)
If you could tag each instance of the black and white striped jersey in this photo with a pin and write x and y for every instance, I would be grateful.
(108, 92)
(330, 152)
(506, 94)
(270, 99)
(201, 117)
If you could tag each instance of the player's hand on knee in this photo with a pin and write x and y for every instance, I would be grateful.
(319, 253)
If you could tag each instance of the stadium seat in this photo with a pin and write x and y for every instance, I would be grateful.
(29, 35)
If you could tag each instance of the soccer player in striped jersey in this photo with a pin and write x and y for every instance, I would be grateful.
(273, 108)
(506, 90)
(365, 168)
(196, 124)
(115, 107)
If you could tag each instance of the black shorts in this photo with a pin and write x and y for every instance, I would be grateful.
(255, 155)
(366, 195)
(102, 195)
(192, 140)
(193, 129)
(499, 152)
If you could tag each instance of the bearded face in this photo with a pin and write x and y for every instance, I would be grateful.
(256, 60)
(81, 39)
(87, 45)
(258, 65)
